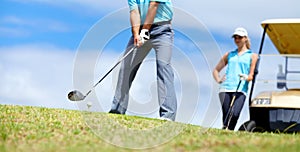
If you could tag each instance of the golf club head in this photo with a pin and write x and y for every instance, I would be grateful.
(75, 96)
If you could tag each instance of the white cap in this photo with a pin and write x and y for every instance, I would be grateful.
(240, 32)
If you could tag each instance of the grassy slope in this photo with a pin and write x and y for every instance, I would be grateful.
(41, 129)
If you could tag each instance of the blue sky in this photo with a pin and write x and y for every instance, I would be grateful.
(38, 22)
(39, 40)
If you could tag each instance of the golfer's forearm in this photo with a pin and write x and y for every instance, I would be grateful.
(135, 22)
(150, 15)
(216, 76)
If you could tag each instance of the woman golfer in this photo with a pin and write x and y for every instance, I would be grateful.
(234, 84)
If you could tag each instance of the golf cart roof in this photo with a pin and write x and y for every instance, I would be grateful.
(285, 34)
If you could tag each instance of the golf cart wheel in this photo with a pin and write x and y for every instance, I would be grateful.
(248, 126)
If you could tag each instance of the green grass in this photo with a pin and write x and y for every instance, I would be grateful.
(24, 128)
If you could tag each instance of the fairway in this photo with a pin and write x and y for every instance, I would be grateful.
(24, 128)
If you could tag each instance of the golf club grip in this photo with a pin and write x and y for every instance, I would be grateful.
(237, 88)
(115, 65)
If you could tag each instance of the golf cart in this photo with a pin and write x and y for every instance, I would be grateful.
(278, 109)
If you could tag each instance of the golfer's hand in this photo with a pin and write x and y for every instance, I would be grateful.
(144, 36)
(243, 76)
(222, 79)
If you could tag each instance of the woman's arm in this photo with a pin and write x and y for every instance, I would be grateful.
(222, 63)
(252, 66)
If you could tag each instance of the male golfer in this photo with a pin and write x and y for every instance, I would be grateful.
(151, 28)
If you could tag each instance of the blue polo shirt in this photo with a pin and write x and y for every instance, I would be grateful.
(164, 10)
(237, 64)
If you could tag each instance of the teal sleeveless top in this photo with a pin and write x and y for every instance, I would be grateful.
(164, 10)
(237, 64)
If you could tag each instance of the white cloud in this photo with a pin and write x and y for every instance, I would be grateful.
(13, 32)
(35, 75)
(223, 16)
(18, 26)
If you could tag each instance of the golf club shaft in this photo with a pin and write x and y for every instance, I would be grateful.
(237, 88)
(120, 60)
(232, 101)
(231, 105)
(229, 113)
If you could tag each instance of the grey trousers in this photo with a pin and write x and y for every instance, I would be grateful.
(161, 40)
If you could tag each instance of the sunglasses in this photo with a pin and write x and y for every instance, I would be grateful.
(237, 37)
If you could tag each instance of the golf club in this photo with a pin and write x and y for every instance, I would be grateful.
(76, 95)
(231, 106)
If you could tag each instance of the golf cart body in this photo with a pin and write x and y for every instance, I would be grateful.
(278, 109)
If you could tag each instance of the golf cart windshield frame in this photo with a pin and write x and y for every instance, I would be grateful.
(257, 63)
(284, 34)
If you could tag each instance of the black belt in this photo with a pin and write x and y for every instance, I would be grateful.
(158, 24)
(161, 23)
